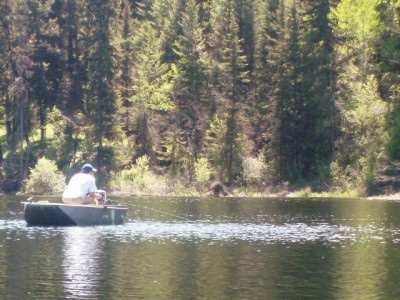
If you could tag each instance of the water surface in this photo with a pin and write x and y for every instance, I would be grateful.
(208, 248)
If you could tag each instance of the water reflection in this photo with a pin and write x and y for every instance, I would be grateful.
(81, 253)
(210, 249)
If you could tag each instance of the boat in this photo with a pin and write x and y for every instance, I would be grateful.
(44, 213)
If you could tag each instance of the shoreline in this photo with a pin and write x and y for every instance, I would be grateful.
(286, 194)
(395, 196)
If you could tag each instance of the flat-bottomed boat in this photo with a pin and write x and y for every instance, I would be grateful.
(44, 213)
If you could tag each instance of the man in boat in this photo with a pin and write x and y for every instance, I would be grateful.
(82, 188)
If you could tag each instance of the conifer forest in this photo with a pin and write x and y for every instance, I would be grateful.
(302, 92)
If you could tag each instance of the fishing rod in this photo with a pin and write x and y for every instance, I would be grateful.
(167, 214)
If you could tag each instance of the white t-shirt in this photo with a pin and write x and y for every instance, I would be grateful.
(79, 185)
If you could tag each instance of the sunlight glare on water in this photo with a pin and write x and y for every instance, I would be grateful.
(181, 232)
(209, 249)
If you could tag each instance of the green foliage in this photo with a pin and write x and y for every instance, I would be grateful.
(213, 146)
(358, 24)
(153, 80)
(233, 76)
(45, 178)
(358, 19)
(202, 170)
(61, 145)
(254, 169)
(175, 153)
(201, 87)
(365, 113)
(388, 53)
(138, 179)
(267, 71)
(394, 130)
(191, 84)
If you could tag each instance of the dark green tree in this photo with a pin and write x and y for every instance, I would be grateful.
(69, 15)
(245, 12)
(69, 100)
(47, 67)
(165, 16)
(307, 117)
(266, 75)
(100, 105)
(290, 106)
(318, 82)
(125, 54)
(232, 67)
(191, 103)
(17, 47)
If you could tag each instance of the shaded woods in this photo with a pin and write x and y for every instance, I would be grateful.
(250, 93)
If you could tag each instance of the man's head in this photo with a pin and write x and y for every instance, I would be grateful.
(87, 168)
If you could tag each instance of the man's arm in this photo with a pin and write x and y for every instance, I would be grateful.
(92, 196)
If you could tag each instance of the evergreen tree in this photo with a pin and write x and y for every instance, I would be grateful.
(318, 86)
(250, 78)
(69, 15)
(191, 84)
(214, 144)
(267, 71)
(153, 88)
(101, 98)
(233, 77)
(165, 17)
(244, 10)
(18, 47)
(290, 107)
(46, 67)
(123, 39)
(4, 70)
(307, 107)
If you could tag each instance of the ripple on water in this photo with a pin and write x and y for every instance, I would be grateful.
(213, 232)
(266, 232)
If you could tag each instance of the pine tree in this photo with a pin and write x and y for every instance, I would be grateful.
(4, 71)
(153, 88)
(101, 98)
(123, 39)
(318, 87)
(232, 67)
(46, 67)
(165, 16)
(191, 83)
(244, 10)
(287, 106)
(306, 106)
(69, 15)
(214, 145)
(18, 48)
(267, 71)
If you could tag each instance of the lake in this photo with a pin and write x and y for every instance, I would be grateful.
(208, 248)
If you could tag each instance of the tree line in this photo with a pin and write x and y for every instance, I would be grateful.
(305, 92)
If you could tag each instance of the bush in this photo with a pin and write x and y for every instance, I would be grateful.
(254, 169)
(138, 179)
(45, 179)
(202, 170)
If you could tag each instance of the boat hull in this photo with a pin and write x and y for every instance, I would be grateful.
(58, 214)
